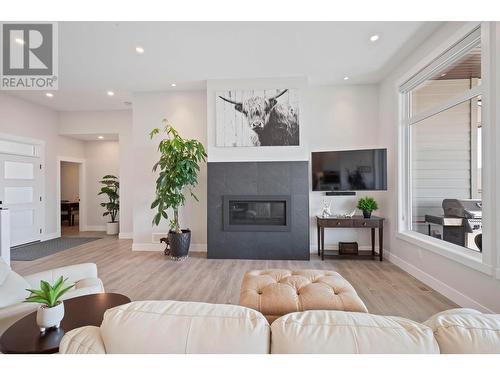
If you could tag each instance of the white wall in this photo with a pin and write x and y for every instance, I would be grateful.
(119, 123)
(70, 181)
(187, 112)
(342, 118)
(464, 285)
(331, 118)
(101, 158)
(24, 119)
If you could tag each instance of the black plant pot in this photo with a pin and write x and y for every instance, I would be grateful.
(177, 244)
(367, 214)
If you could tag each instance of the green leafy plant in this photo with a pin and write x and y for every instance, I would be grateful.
(49, 295)
(367, 204)
(110, 189)
(178, 169)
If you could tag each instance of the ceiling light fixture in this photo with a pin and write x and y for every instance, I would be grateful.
(100, 137)
(49, 95)
(374, 38)
(139, 50)
(19, 41)
(442, 75)
(111, 93)
(346, 78)
(173, 85)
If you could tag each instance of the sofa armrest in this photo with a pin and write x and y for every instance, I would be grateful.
(73, 273)
(83, 340)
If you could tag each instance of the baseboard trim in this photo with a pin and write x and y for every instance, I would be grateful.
(125, 236)
(94, 228)
(137, 246)
(49, 236)
(439, 286)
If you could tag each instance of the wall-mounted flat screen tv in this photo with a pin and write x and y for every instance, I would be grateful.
(352, 170)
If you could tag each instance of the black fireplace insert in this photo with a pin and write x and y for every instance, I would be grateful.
(257, 213)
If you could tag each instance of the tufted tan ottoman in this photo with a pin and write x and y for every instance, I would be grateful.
(277, 292)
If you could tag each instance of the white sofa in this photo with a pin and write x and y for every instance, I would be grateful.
(13, 288)
(192, 327)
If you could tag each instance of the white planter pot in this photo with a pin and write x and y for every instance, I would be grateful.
(112, 228)
(47, 317)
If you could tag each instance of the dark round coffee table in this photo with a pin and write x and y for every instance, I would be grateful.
(24, 337)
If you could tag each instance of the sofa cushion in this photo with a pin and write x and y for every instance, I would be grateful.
(4, 271)
(13, 289)
(339, 332)
(83, 340)
(276, 292)
(73, 273)
(184, 327)
(466, 331)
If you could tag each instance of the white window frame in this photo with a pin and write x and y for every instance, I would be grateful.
(422, 71)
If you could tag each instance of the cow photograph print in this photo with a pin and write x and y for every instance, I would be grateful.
(246, 118)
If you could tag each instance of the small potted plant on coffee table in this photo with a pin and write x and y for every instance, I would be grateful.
(367, 205)
(51, 311)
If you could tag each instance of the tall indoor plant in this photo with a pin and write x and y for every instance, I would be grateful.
(110, 188)
(178, 171)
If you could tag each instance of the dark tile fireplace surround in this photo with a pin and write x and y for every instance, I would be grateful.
(258, 210)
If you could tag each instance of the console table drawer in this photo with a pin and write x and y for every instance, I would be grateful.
(366, 223)
(340, 223)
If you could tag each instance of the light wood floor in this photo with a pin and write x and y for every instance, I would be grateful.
(385, 288)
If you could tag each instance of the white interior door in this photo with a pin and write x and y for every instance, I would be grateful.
(20, 192)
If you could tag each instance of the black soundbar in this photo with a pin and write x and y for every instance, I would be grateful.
(340, 193)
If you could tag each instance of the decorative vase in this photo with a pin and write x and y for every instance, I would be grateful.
(112, 228)
(177, 244)
(47, 317)
(367, 214)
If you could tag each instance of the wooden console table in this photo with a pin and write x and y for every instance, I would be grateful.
(354, 222)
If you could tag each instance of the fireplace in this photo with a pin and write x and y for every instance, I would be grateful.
(258, 210)
(257, 213)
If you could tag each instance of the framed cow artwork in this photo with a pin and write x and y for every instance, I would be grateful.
(251, 118)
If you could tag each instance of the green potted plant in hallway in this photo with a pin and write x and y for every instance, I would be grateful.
(110, 188)
(178, 169)
(367, 205)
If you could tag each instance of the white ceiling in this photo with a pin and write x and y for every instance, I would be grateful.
(95, 57)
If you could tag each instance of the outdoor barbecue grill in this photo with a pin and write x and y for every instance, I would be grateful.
(461, 222)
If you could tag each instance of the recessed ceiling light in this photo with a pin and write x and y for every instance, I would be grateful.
(374, 38)
(49, 95)
(173, 85)
(19, 41)
(111, 93)
(139, 50)
(100, 137)
(346, 78)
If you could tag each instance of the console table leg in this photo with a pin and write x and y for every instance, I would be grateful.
(319, 240)
(373, 241)
(322, 243)
(381, 242)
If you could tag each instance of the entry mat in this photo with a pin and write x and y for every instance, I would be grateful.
(39, 250)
